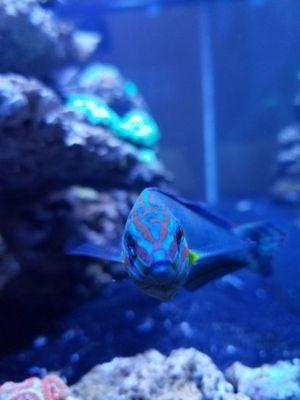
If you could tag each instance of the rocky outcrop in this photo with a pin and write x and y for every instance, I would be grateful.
(36, 43)
(47, 148)
(185, 374)
(280, 381)
(60, 179)
(104, 81)
(287, 184)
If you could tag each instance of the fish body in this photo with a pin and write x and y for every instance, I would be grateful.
(169, 243)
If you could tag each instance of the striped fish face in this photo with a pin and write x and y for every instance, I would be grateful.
(156, 254)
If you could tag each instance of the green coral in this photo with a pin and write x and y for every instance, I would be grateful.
(137, 127)
(140, 128)
(93, 109)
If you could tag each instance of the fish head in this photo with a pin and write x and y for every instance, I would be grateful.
(155, 249)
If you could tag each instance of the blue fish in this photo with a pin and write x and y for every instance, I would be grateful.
(169, 243)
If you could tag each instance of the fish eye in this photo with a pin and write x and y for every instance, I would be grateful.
(179, 236)
(131, 247)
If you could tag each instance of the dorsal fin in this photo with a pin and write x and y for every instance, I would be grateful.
(205, 232)
(197, 207)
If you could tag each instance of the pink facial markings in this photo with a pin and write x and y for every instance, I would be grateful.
(143, 255)
(150, 213)
(184, 254)
(172, 250)
(146, 233)
(152, 203)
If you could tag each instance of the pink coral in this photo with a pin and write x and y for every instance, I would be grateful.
(53, 388)
(49, 388)
(25, 396)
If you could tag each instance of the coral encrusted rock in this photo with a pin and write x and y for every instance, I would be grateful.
(34, 43)
(48, 148)
(287, 184)
(39, 231)
(185, 374)
(280, 381)
(104, 81)
(60, 179)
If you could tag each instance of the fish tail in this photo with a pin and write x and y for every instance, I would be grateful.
(266, 238)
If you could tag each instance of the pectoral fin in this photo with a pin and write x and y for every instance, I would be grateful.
(92, 250)
(208, 267)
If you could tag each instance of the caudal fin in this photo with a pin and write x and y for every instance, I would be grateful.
(266, 238)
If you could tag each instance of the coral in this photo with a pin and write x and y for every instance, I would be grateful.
(47, 148)
(67, 179)
(61, 178)
(38, 231)
(49, 388)
(136, 126)
(139, 128)
(105, 82)
(268, 382)
(33, 42)
(54, 157)
(48, 151)
(93, 109)
(185, 374)
(287, 184)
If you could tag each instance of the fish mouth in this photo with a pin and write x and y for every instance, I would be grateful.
(161, 292)
(163, 273)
